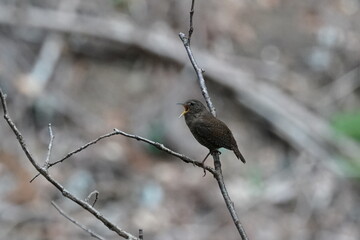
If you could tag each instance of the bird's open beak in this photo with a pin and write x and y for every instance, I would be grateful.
(186, 109)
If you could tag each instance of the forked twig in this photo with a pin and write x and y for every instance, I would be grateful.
(158, 145)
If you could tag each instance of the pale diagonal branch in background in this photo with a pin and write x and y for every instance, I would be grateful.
(49, 55)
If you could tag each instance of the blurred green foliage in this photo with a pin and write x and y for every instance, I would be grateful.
(348, 124)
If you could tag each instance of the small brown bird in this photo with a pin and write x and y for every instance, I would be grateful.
(207, 129)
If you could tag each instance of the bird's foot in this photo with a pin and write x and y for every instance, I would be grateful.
(216, 152)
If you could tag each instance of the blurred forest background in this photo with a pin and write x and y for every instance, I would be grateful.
(283, 74)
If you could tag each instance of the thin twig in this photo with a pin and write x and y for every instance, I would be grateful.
(83, 227)
(47, 160)
(31, 180)
(83, 147)
(77, 150)
(56, 184)
(191, 29)
(158, 145)
(161, 147)
(96, 193)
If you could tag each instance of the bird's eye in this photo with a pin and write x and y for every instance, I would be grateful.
(191, 103)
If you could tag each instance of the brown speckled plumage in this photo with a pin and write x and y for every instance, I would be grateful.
(208, 130)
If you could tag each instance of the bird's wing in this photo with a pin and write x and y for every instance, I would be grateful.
(215, 132)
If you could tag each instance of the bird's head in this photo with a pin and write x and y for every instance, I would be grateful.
(192, 106)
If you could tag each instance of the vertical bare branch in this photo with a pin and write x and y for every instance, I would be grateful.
(229, 203)
(218, 172)
(199, 73)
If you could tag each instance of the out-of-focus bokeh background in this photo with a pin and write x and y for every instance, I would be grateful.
(283, 74)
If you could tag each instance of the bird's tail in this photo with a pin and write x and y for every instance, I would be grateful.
(239, 155)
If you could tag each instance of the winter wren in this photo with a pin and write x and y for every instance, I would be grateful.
(208, 130)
